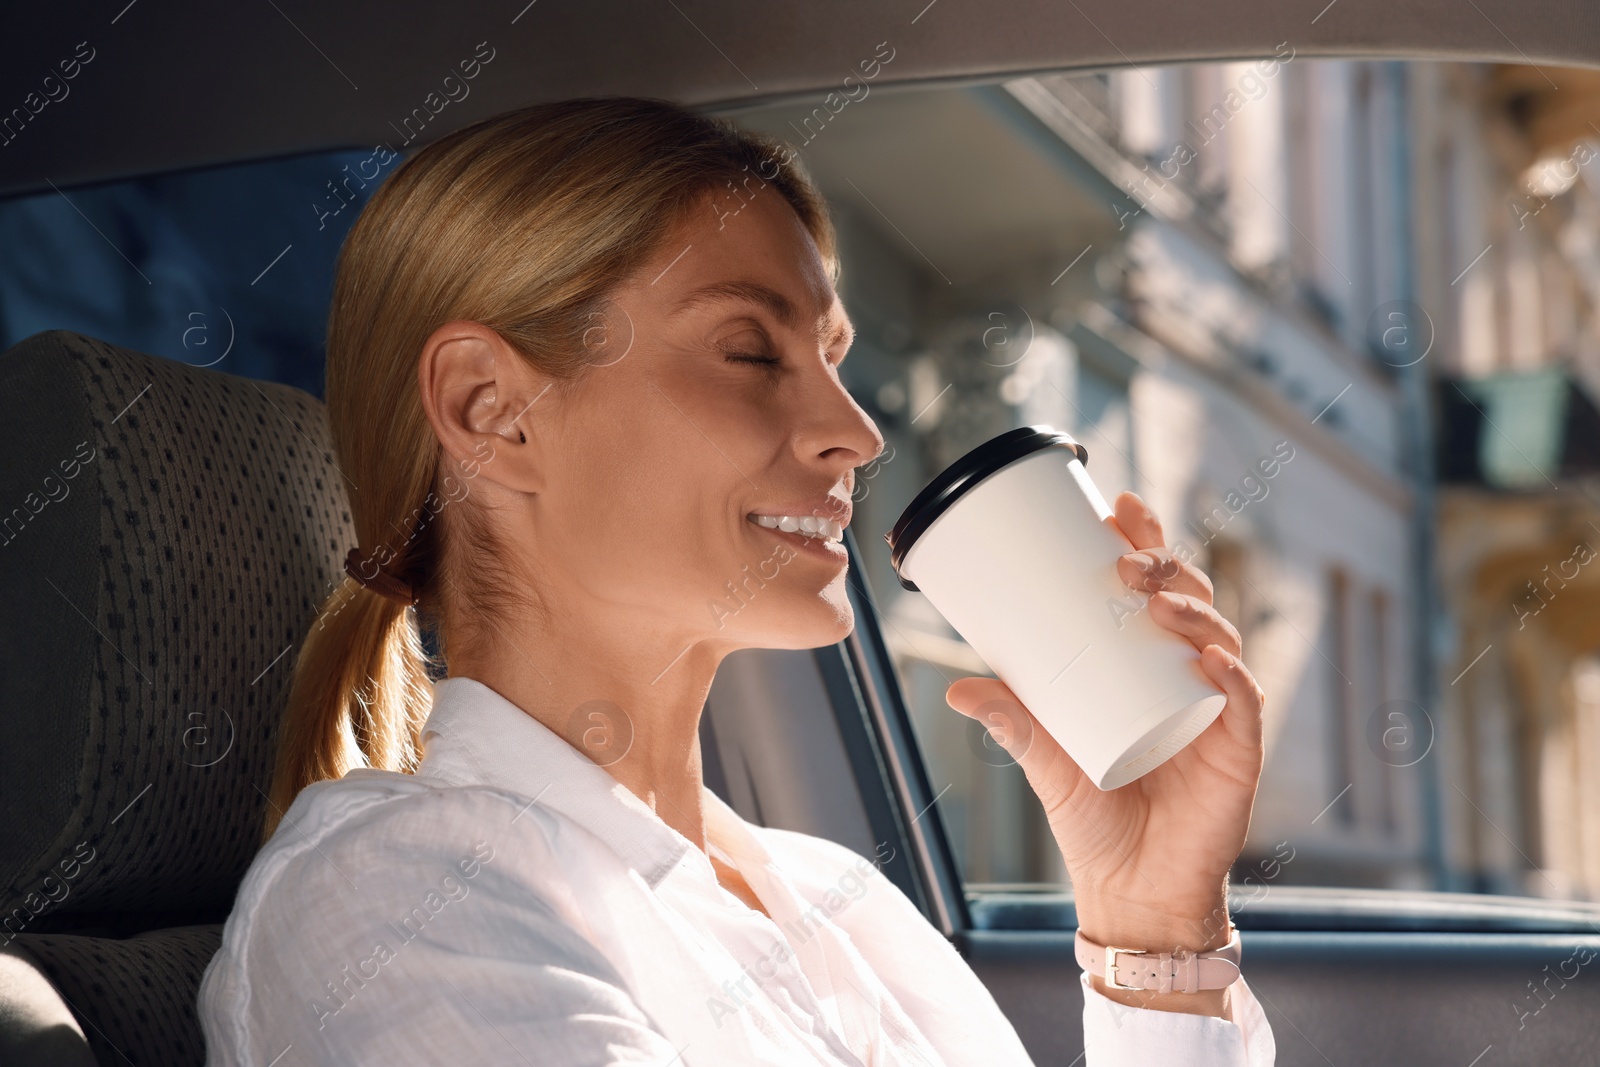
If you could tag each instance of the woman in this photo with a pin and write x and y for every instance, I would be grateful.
(583, 372)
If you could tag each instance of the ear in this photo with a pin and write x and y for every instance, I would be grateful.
(477, 391)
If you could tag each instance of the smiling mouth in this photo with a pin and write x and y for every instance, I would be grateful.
(812, 526)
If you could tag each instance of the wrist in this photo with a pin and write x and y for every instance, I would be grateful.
(1158, 928)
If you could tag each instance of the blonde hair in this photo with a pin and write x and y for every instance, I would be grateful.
(524, 222)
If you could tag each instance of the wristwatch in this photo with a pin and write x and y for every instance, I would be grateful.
(1162, 972)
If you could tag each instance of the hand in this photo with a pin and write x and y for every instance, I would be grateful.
(1149, 861)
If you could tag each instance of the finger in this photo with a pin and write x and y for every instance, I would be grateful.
(1246, 701)
(1195, 619)
(1154, 569)
(1137, 522)
(1051, 773)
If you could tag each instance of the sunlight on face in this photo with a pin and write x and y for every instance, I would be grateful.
(715, 395)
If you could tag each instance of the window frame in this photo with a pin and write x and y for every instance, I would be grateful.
(891, 772)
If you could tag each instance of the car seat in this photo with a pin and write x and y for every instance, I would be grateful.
(167, 533)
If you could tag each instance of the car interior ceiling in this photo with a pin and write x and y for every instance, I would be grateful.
(183, 99)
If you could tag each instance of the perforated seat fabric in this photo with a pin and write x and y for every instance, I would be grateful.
(133, 997)
(166, 535)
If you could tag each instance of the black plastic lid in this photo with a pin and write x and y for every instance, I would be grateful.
(964, 474)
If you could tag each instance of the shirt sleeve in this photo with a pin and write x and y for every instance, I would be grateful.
(408, 939)
(1115, 1033)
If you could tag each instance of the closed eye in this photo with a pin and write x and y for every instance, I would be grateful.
(750, 345)
(750, 357)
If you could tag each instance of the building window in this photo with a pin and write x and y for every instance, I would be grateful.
(1336, 649)
(1362, 177)
(1379, 690)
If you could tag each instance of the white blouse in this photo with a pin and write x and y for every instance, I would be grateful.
(513, 903)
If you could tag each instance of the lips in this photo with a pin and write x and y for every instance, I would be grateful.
(815, 525)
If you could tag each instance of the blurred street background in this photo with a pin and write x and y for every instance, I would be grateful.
(1388, 272)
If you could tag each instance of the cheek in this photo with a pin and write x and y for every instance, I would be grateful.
(644, 506)
(661, 459)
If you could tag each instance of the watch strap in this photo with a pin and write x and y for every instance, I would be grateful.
(1161, 972)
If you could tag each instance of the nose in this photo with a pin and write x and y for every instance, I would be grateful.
(837, 432)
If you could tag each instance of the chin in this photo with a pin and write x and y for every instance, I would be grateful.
(837, 624)
(823, 624)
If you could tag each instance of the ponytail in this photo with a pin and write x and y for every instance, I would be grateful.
(360, 695)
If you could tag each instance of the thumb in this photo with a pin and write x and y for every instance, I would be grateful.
(997, 709)
(1050, 771)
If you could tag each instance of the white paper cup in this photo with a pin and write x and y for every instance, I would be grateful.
(1011, 545)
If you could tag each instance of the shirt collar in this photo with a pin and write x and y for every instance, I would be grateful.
(475, 736)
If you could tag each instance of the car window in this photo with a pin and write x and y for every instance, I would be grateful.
(1377, 280)
(1335, 322)
(229, 267)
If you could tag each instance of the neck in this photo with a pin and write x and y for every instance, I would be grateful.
(628, 698)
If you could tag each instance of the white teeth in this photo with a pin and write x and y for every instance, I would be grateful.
(807, 525)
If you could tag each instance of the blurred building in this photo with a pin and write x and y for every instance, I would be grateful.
(1508, 228)
(1207, 273)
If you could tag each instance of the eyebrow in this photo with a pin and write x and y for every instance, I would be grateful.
(781, 307)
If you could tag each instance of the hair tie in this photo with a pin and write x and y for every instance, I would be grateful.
(382, 582)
